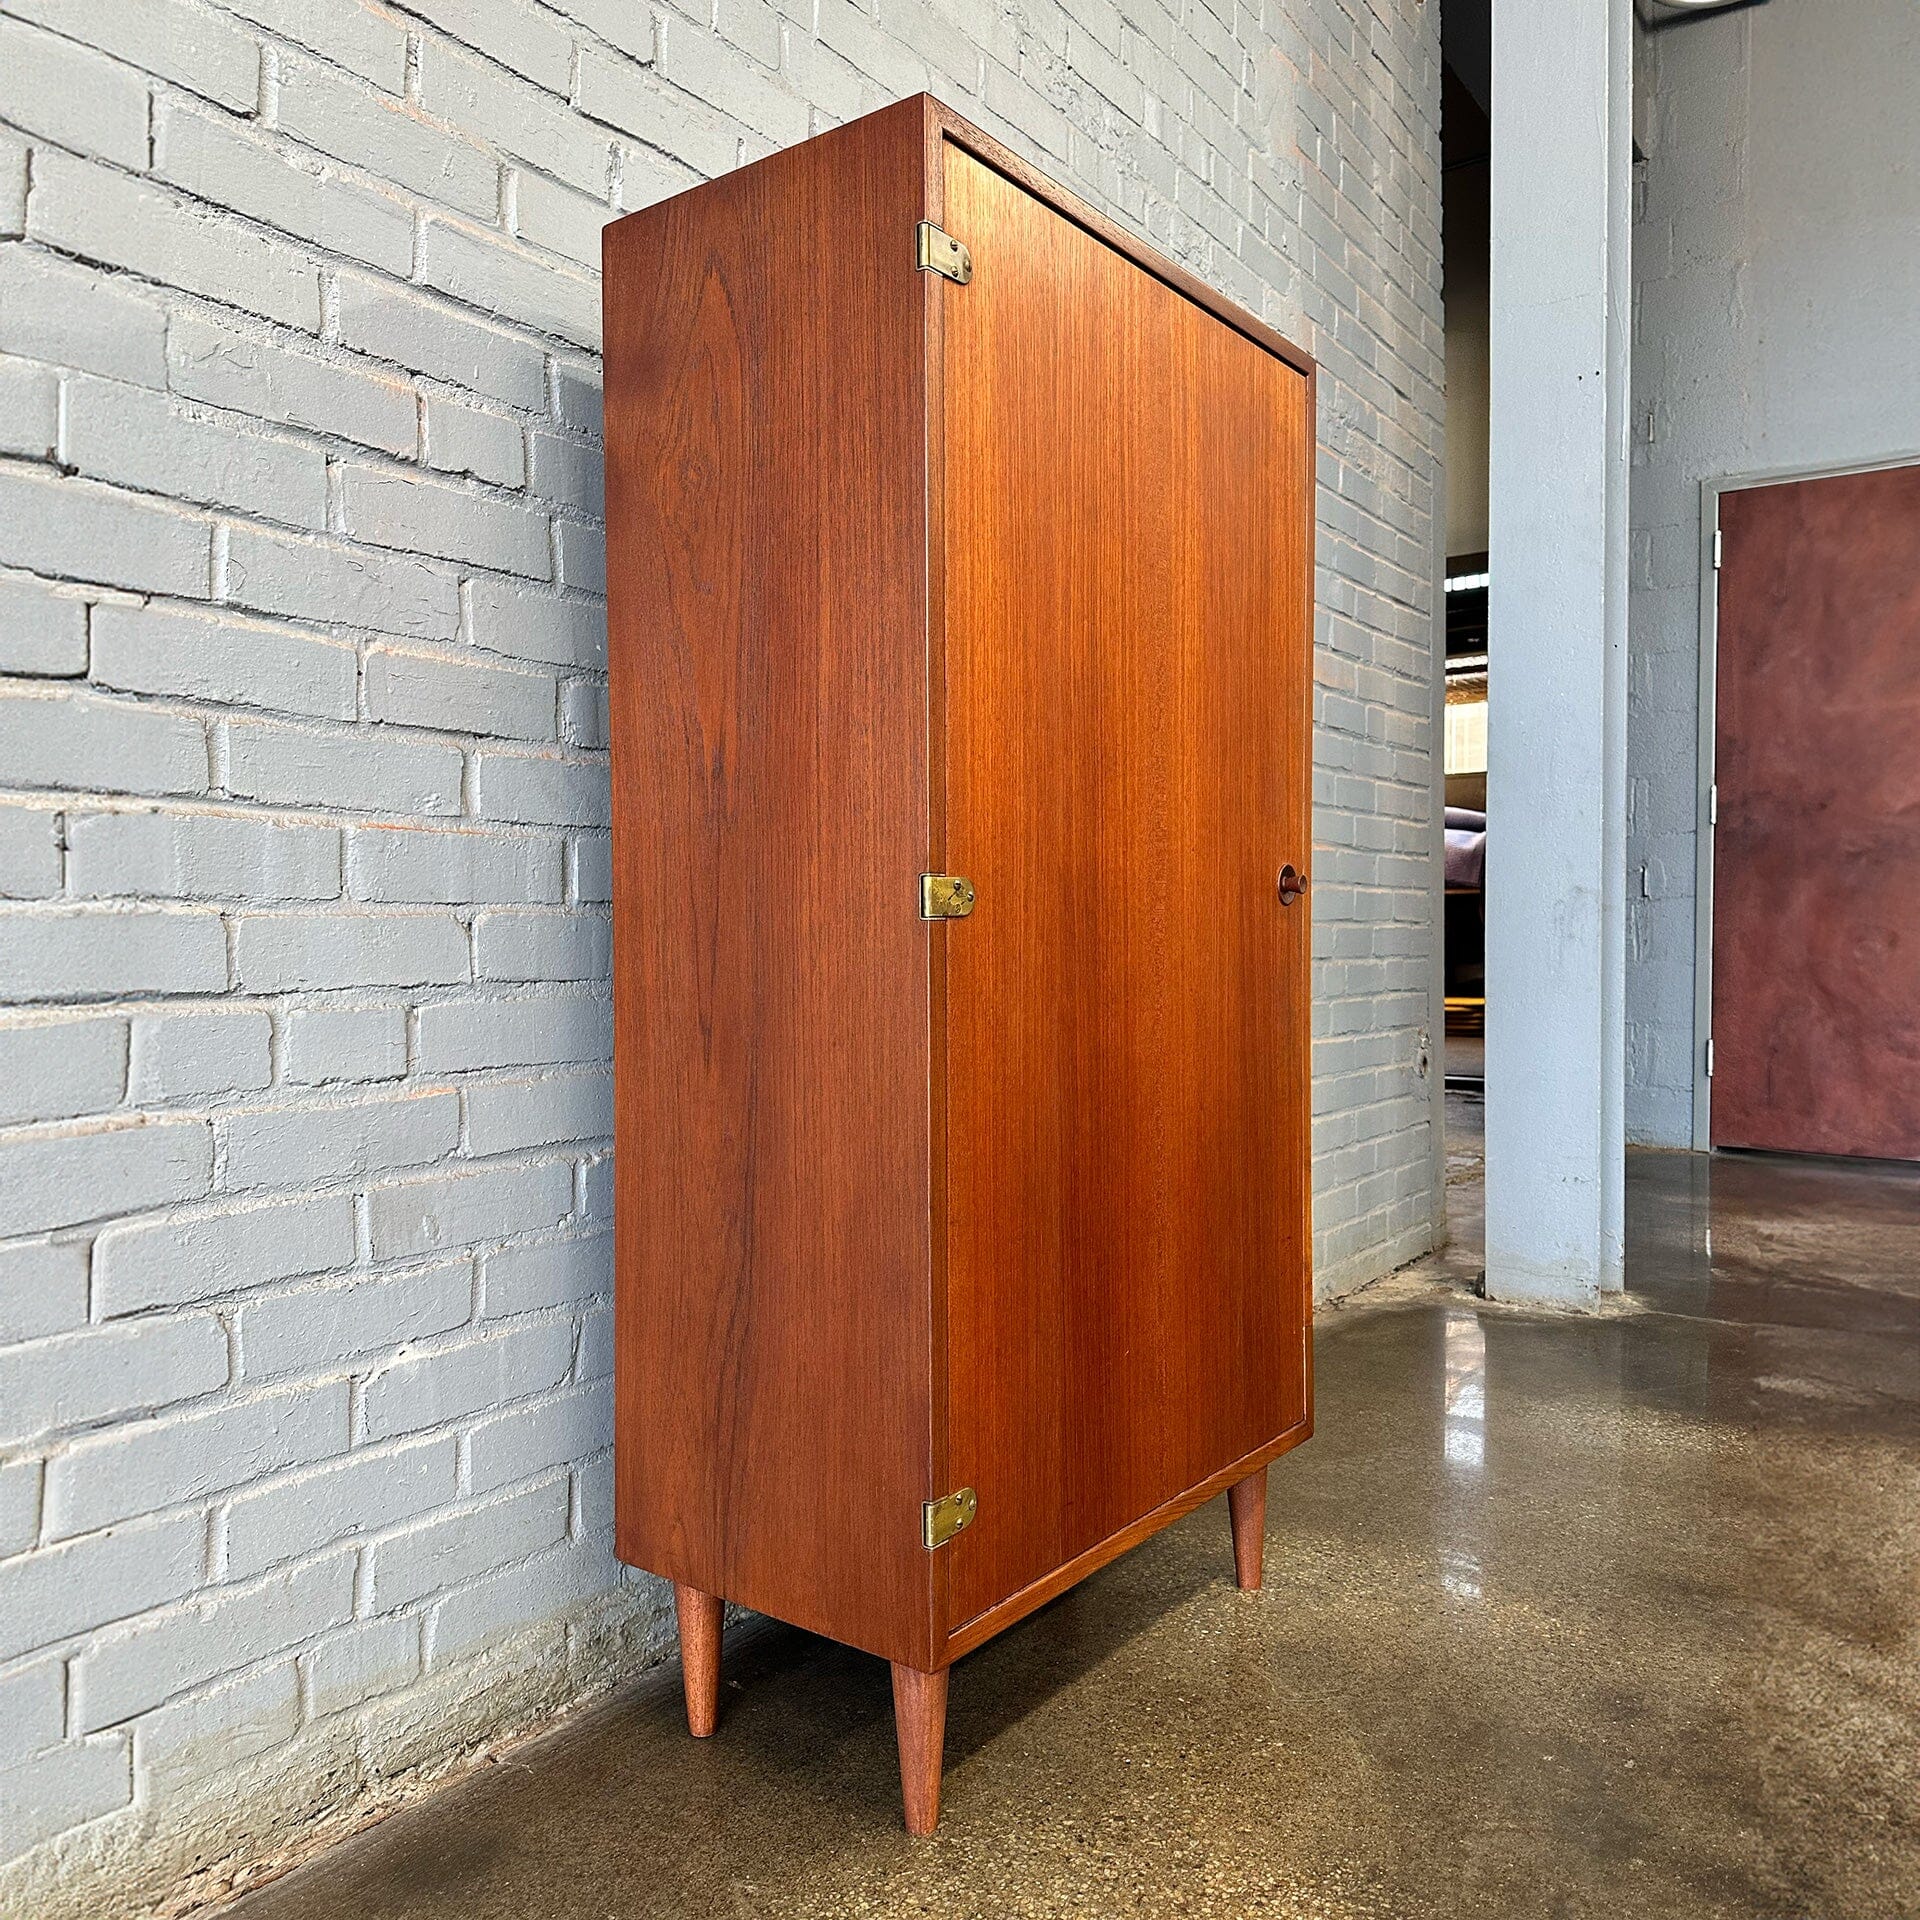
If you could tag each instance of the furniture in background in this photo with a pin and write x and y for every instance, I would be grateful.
(961, 655)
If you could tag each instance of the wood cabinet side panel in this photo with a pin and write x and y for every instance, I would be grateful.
(765, 429)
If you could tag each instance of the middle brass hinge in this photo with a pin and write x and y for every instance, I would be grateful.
(941, 1519)
(936, 251)
(945, 896)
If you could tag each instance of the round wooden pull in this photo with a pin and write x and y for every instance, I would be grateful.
(1293, 883)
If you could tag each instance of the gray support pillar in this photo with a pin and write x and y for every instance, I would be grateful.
(1557, 646)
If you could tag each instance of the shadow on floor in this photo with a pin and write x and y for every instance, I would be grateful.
(1564, 1616)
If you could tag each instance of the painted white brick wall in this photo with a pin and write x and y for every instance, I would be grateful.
(304, 1104)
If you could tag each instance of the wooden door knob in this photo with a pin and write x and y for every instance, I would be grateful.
(1293, 883)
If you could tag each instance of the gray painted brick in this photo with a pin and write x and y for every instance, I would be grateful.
(360, 1493)
(182, 1457)
(375, 772)
(19, 1527)
(57, 1069)
(416, 1216)
(389, 508)
(62, 1590)
(51, 309)
(459, 694)
(583, 714)
(506, 1115)
(505, 617)
(499, 278)
(29, 408)
(345, 1043)
(424, 864)
(137, 1668)
(59, 1177)
(33, 1708)
(13, 188)
(29, 851)
(548, 215)
(135, 438)
(522, 1441)
(42, 630)
(202, 51)
(632, 98)
(541, 946)
(324, 581)
(521, 120)
(121, 222)
(570, 471)
(68, 93)
(540, 789)
(577, 397)
(201, 856)
(78, 1379)
(247, 1717)
(381, 135)
(582, 552)
(285, 1146)
(413, 329)
(98, 953)
(51, 736)
(593, 868)
(469, 440)
(475, 1615)
(62, 1789)
(214, 1050)
(559, 1273)
(165, 1262)
(458, 1035)
(84, 531)
(281, 952)
(370, 1658)
(314, 1328)
(453, 1548)
(363, 38)
(43, 1288)
(354, 400)
(431, 1389)
(216, 162)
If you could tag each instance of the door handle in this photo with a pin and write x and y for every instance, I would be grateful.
(1293, 883)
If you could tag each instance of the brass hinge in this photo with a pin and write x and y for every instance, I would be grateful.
(945, 896)
(941, 1519)
(935, 251)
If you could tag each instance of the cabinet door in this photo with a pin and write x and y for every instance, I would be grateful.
(1128, 486)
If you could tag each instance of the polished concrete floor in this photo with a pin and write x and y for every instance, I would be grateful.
(1563, 1617)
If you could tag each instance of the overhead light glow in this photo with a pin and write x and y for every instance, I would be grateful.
(1466, 582)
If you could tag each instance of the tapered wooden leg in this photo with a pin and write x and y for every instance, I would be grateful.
(920, 1724)
(1247, 1504)
(699, 1617)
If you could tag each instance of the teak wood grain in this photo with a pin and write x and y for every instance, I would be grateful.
(1126, 674)
(1011, 579)
(765, 435)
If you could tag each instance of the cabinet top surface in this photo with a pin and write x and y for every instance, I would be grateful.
(942, 124)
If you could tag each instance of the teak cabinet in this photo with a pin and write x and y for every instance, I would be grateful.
(960, 641)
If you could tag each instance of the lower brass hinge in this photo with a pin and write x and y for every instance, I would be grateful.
(935, 251)
(941, 1519)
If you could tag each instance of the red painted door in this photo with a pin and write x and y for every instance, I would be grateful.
(1816, 896)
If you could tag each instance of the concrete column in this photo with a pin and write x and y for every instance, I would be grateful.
(1557, 646)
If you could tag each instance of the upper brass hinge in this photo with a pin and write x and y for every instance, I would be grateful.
(945, 896)
(935, 251)
(941, 1519)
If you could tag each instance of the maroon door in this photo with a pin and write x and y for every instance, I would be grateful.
(1816, 894)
